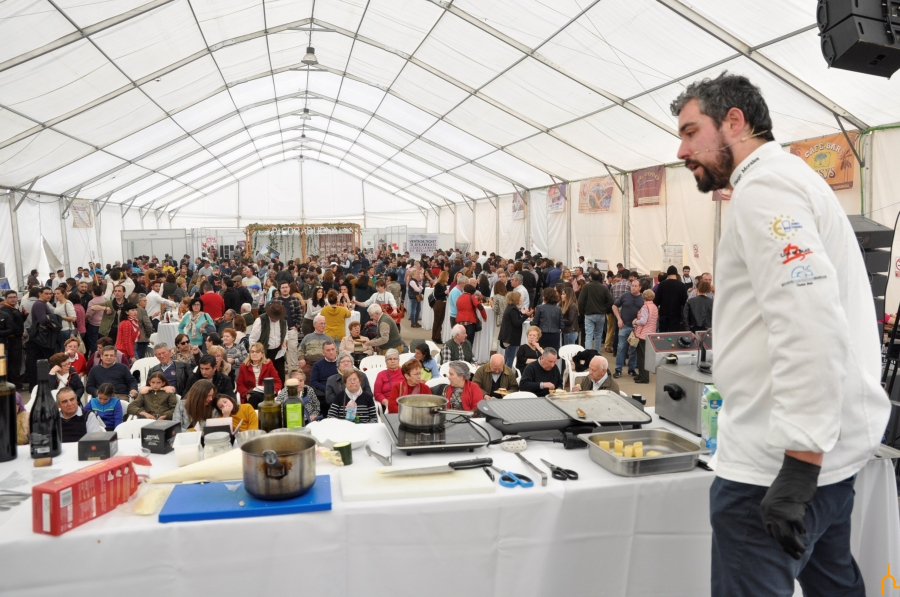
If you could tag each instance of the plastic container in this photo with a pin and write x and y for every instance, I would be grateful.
(187, 447)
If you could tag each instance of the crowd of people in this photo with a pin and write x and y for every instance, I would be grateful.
(241, 321)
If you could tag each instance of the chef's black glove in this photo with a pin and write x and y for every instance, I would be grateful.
(784, 506)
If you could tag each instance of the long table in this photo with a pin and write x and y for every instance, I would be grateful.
(601, 534)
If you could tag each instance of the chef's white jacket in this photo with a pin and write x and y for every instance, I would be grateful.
(797, 352)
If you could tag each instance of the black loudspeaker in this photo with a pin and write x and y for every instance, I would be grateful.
(875, 243)
(860, 35)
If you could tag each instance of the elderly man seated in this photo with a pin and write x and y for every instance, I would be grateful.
(176, 372)
(598, 377)
(457, 348)
(542, 376)
(76, 422)
(495, 375)
(388, 335)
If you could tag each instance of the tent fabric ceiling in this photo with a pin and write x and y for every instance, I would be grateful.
(157, 104)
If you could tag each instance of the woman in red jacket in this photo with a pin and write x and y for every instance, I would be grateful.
(252, 373)
(466, 304)
(412, 384)
(387, 379)
(462, 393)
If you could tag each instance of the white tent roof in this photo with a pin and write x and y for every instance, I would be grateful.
(157, 104)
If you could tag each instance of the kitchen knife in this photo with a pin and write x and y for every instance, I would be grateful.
(444, 468)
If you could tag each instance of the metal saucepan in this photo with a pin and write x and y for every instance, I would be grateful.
(421, 411)
(280, 466)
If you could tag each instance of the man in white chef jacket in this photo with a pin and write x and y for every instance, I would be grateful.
(797, 355)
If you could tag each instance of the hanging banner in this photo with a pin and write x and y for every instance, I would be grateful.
(596, 195)
(649, 186)
(518, 206)
(419, 244)
(831, 157)
(82, 216)
(673, 255)
(722, 195)
(556, 198)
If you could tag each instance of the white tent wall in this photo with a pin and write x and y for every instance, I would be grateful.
(447, 221)
(485, 238)
(82, 245)
(596, 235)
(512, 232)
(465, 222)
(111, 227)
(434, 221)
(7, 242)
(536, 216)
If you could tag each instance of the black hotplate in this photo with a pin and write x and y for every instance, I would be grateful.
(458, 434)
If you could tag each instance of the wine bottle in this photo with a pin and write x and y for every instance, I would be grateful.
(269, 410)
(8, 428)
(292, 407)
(46, 422)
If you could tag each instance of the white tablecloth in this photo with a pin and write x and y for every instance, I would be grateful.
(354, 316)
(166, 333)
(481, 348)
(427, 318)
(632, 537)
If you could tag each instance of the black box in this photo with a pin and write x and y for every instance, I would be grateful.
(877, 260)
(98, 446)
(159, 436)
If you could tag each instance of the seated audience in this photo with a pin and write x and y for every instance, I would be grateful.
(76, 359)
(158, 401)
(531, 351)
(335, 385)
(412, 384)
(243, 417)
(176, 373)
(253, 371)
(324, 368)
(355, 344)
(457, 348)
(107, 406)
(311, 406)
(388, 334)
(193, 410)
(207, 370)
(76, 422)
(354, 403)
(95, 358)
(495, 375)
(387, 378)
(598, 377)
(542, 376)
(62, 374)
(112, 372)
(462, 393)
(430, 368)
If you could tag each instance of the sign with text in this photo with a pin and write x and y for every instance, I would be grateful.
(82, 217)
(556, 198)
(832, 157)
(418, 244)
(673, 255)
(649, 186)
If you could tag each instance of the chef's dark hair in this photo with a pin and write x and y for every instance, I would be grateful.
(717, 96)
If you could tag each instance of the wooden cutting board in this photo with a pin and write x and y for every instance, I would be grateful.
(363, 484)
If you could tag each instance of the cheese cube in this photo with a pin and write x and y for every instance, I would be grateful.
(604, 445)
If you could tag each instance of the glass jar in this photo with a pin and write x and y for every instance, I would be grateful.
(216, 444)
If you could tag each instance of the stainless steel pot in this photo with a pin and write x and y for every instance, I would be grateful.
(280, 466)
(421, 411)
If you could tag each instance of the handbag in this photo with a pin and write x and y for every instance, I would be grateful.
(633, 340)
(431, 300)
(477, 323)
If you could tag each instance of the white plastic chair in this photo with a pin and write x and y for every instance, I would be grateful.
(143, 366)
(406, 356)
(435, 351)
(131, 429)
(372, 374)
(153, 339)
(567, 353)
(446, 368)
(372, 362)
(516, 395)
(436, 381)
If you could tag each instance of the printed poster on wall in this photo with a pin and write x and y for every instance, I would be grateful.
(419, 244)
(596, 195)
(82, 217)
(556, 198)
(649, 186)
(673, 255)
(830, 156)
(518, 206)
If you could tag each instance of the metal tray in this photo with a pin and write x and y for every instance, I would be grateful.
(678, 453)
(603, 406)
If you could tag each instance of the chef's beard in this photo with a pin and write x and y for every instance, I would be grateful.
(717, 173)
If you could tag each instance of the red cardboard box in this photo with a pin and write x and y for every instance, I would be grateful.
(69, 501)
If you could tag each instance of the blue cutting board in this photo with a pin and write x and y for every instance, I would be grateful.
(213, 501)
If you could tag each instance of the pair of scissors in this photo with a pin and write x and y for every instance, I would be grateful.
(561, 474)
(509, 479)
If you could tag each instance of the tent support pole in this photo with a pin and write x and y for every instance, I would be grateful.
(626, 222)
(17, 246)
(526, 199)
(97, 209)
(65, 236)
(573, 253)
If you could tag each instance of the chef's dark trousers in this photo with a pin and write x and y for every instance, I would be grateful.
(34, 354)
(14, 360)
(747, 562)
(670, 323)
